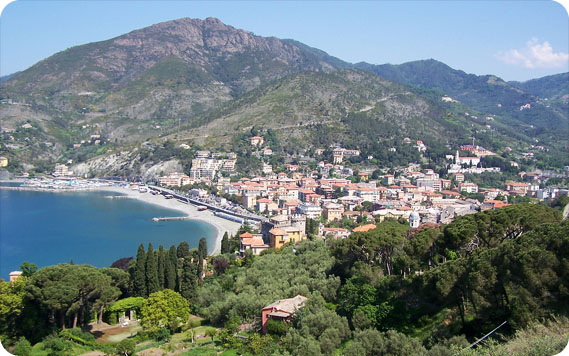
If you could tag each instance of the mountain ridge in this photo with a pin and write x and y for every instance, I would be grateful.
(153, 82)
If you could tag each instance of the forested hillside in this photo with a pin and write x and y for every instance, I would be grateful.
(388, 291)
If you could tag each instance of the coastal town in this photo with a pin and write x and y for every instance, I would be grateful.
(287, 203)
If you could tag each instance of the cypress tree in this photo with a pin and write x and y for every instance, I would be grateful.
(225, 243)
(172, 275)
(202, 247)
(189, 280)
(139, 282)
(161, 268)
(202, 252)
(151, 271)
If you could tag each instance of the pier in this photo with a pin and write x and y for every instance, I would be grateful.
(172, 218)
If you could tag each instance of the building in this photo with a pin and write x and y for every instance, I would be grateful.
(175, 179)
(257, 141)
(517, 188)
(281, 310)
(251, 242)
(267, 168)
(15, 275)
(468, 187)
(414, 220)
(388, 179)
(3, 161)
(290, 226)
(278, 237)
(334, 232)
(311, 211)
(333, 211)
(62, 170)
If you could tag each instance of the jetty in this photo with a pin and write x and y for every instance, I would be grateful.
(171, 218)
(119, 197)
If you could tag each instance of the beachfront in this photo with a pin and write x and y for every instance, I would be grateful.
(221, 225)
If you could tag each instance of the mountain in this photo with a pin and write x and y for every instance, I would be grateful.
(353, 108)
(552, 87)
(157, 76)
(486, 93)
(209, 82)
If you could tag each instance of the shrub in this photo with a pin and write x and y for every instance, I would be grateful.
(162, 334)
(126, 347)
(22, 347)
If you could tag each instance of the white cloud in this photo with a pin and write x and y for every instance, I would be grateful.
(535, 55)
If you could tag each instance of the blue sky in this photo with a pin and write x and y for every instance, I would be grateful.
(516, 40)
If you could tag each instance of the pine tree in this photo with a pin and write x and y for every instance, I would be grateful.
(183, 249)
(151, 271)
(139, 283)
(172, 276)
(189, 280)
(161, 267)
(225, 243)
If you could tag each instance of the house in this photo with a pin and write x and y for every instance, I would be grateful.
(282, 310)
(333, 211)
(278, 237)
(493, 204)
(257, 141)
(517, 188)
(388, 179)
(468, 187)
(251, 242)
(334, 232)
(15, 275)
(364, 177)
(3, 161)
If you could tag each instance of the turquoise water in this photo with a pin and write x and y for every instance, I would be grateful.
(50, 228)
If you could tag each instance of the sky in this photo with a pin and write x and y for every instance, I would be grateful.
(515, 40)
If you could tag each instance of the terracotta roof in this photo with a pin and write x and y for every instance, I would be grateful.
(277, 231)
(364, 228)
(246, 235)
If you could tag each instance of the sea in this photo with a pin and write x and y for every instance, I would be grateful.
(48, 228)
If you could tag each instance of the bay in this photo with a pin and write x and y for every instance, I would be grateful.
(50, 228)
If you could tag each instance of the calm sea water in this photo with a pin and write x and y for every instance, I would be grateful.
(50, 228)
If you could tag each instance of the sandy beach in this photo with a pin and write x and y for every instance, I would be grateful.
(221, 225)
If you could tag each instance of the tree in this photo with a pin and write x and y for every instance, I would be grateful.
(161, 268)
(126, 347)
(183, 249)
(211, 333)
(225, 243)
(189, 280)
(171, 268)
(139, 283)
(12, 296)
(202, 252)
(166, 309)
(151, 271)
(22, 347)
(28, 269)
(202, 248)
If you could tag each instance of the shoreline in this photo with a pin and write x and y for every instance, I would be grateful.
(190, 211)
